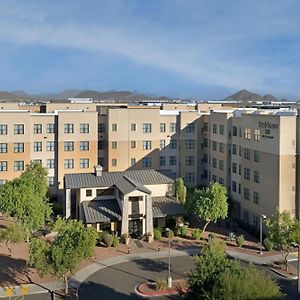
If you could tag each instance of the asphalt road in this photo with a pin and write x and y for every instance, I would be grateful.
(118, 281)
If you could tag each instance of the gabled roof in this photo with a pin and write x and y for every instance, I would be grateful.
(127, 185)
(166, 206)
(97, 211)
(107, 179)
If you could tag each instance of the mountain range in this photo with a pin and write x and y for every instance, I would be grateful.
(120, 96)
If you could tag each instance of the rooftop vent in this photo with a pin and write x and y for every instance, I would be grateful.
(98, 170)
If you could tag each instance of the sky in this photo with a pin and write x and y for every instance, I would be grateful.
(203, 49)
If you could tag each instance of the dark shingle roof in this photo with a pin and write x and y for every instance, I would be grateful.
(166, 206)
(127, 185)
(144, 177)
(97, 211)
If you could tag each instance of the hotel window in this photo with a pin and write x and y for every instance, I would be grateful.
(240, 170)
(84, 146)
(162, 127)
(37, 128)
(147, 128)
(146, 162)
(101, 127)
(69, 146)
(114, 162)
(88, 193)
(51, 181)
(84, 128)
(132, 161)
(221, 129)
(114, 145)
(146, 145)
(3, 166)
(69, 163)
(19, 165)
(256, 177)
(256, 197)
(247, 173)
(172, 161)
(215, 128)
(214, 146)
(205, 174)
(3, 148)
(214, 178)
(3, 129)
(19, 129)
(221, 147)
(133, 144)
(256, 156)
(38, 161)
(233, 186)
(240, 132)
(233, 167)
(162, 144)
(247, 133)
(50, 163)
(246, 216)
(69, 128)
(190, 127)
(101, 145)
(234, 131)
(18, 147)
(50, 146)
(84, 163)
(190, 177)
(205, 126)
(190, 144)
(162, 161)
(240, 188)
(205, 158)
(205, 142)
(221, 180)
(173, 144)
(214, 162)
(221, 165)
(133, 127)
(2, 181)
(257, 135)
(246, 194)
(50, 128)
(240, 150)
(255, 221)
(101, 161)
(114, 127)
(190, 160)
(247, 153)
(234, 149)
(172, 127)
(37, 146)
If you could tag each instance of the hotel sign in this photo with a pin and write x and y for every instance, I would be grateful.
(267, 125)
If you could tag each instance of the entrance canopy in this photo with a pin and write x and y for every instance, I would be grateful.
(166, 207)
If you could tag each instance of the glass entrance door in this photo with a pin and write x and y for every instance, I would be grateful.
(135, 228)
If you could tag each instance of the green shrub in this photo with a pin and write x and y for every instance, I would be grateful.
(169, 234)
(211, 236)
(268, 244)
(108, 240)
(240, 240)
(157, 234)
(183, 230)
(101, 234)
(161, 229)
(197, 234)
(161, 284)
(116, 241)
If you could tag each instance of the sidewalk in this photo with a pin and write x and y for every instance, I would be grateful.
(84, 273)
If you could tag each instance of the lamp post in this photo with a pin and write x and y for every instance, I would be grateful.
(262, 217)
(298, 285)
(169, 264)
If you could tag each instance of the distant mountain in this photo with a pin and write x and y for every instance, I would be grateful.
(10, 96)
(245, 95)
(67, 94)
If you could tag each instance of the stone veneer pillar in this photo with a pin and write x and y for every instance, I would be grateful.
(149, 215)
(124, 227)
(68, 204)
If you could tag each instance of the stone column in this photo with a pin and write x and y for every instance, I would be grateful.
(124, 228)
(68, 204)
(149, 214)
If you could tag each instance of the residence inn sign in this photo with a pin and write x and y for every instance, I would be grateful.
(267, 125)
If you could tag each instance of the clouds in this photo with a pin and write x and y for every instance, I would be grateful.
(203, 42)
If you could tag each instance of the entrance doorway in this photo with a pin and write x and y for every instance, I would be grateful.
(135, 228)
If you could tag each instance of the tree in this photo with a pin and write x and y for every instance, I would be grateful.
(219, 278)
(210, 203)
(74, 242)
(25, 198)
(180, 189)
(282, 231)
(12, 234)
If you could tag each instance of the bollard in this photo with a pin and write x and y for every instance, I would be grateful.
(158, 249)
(128, 250)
